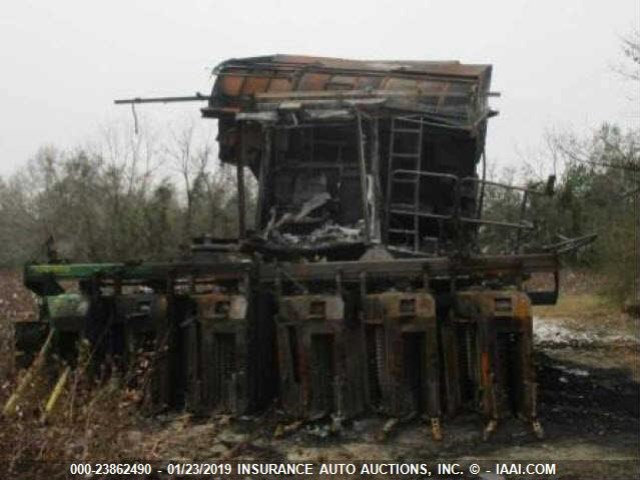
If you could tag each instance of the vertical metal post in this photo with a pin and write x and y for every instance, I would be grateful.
(416, 192)
(363, 178)
(264, 175)
(482, 186)
(375, 174)
(388, 193)
(242, 159)
(460, 241)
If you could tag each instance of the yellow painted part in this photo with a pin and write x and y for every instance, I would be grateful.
(55, 393)
(10, 406)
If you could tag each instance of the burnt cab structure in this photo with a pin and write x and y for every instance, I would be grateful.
(363, 267)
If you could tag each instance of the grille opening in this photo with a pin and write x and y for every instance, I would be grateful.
(467, 354)
(225, 366)
(222, 308)
(408, 306)
(145, 341)
(374, 338)
(510, 370)
(503, 304)
(117, 347)
(183, 359)
(322, 372)
(317, 309)
(67, 346)
(143, 306)
(293, 353)
(413, 352)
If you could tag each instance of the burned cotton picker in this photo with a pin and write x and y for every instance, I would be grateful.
(364, 285)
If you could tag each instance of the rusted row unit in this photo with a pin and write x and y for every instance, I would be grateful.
(402, 353)
(188, 343)
(321, 349)
(412, 359)
(320, 357)
(487, 344)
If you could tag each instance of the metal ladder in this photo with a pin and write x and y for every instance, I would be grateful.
(409, 131)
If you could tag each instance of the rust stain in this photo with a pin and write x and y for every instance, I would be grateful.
(486, 368)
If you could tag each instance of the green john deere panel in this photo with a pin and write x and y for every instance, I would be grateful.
(85, 270)
(68, 311)
(43, 279)
(68, 304)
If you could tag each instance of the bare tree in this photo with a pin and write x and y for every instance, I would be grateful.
(630, 44)
(190, 154)
(131, 165)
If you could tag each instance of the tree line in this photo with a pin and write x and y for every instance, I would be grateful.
(596, 191)
(126, 196)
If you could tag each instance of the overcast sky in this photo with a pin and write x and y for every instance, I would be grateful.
(63, 62)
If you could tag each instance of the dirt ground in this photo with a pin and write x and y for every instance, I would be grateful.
(587, 358)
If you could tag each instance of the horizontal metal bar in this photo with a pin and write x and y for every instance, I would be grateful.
(412, 181)
(436, 267)
(446, 176)
(498, 184)
(524, 226)
(336, 94)
(351, 270)
(198, 97)
(142, 271)
(413, 212)
(406, 130)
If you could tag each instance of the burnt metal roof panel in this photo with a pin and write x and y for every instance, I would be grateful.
(258, 83)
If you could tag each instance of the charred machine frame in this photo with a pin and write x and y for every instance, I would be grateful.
(361, 285)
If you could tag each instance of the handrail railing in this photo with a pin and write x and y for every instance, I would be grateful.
(523, 204)
(457, 215)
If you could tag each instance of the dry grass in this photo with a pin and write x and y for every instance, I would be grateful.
(90, 423)
(598, 314)
(585, 306)
(16, 302)
(584, 303)
(589, 312)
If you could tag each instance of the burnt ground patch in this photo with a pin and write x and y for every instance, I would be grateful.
(579, 398)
